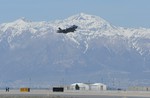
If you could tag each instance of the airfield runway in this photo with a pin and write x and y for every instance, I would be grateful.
(76, 94)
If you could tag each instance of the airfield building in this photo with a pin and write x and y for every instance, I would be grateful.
(87, 86)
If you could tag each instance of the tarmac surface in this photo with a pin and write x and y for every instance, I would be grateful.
(79, 94)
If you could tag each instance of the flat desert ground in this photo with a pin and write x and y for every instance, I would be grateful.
(75, 94)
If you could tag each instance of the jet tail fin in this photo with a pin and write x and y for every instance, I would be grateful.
(59, 28)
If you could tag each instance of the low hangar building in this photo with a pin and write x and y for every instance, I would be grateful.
(88, 86)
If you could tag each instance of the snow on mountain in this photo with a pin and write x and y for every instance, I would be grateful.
(96, 49)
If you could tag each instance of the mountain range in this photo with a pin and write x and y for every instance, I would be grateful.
(33, 53)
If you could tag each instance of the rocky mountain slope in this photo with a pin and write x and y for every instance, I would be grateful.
(97, 52)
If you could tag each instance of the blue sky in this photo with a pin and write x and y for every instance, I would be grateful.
(126, 13)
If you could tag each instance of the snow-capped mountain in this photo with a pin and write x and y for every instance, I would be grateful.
(96, 51)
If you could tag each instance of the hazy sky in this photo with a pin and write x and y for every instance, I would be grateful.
(127, 13)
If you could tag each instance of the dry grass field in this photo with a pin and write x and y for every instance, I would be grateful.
(26, 96)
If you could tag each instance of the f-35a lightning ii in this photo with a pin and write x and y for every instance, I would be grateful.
(67, 30)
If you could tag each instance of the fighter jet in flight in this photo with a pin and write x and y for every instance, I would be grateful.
(67, 30)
